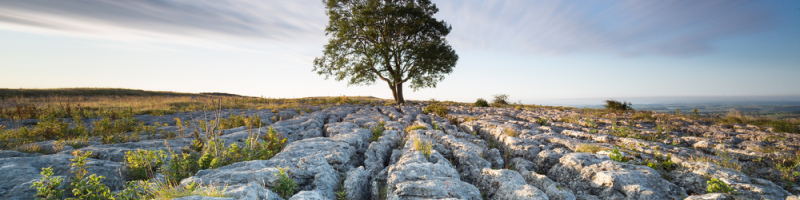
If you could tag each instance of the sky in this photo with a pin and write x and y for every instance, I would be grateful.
(540, 52)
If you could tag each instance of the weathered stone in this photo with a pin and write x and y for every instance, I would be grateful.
(597, 175)
(507, 184)
(494, 157)
(356, 184)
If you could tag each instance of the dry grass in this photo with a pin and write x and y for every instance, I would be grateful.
(511, 132)
(590, 148)
(423, 146)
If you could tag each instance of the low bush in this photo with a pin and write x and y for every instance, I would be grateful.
(47, 188)
(84, 187)
(617, 106)
(377, 131)
(439, 109)
(286, 185)
(142, 164)
(615, 155)
(500, 100)
(481, 103)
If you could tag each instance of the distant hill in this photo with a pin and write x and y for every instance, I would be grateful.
(28, 93)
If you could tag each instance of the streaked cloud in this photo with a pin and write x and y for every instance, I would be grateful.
(668, 27)
(629, 28)
(186, 21)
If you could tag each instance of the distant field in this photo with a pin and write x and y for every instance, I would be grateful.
(773, 111)
(97, 102)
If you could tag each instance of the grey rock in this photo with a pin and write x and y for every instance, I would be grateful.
(711, 196)
(507, 184)
(494, 157)
(550, 187)
(308, 195)
(357, 184)
(596, 174)
(18, 173)
(203, 198)
(521, 165)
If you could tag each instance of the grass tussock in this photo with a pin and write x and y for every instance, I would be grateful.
(423, 146)
(511, 132)
(416, 127)
(590, 148)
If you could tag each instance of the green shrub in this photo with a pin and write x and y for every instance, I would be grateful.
(716, 185)
(500, 100)
(617, 106)
(377, 131)
(47, 188)
(142, 164)
(439, 109)
(87, 188)
(180, 166)
(286, 185)
(616, 155)
(542, 121)
(481, 103)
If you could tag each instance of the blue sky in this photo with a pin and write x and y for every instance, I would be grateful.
(541, 52)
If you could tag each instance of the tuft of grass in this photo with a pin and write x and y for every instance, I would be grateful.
(423, 146)
(165, 190)
(416, 127)
(511, 132)
(590, 148)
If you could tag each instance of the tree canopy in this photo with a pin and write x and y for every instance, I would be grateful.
(396, 41)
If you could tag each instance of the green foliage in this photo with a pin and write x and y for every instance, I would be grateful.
(423, 146)
(716, 185)
(377, 131)
(47, 188)
(542, 121)
(439, 109)
(87, 188)
(142, 164)
(416, 127)
(359, 51)
(134, 190)
(286, 185)
(788, 168)
(500, 100)
(481, 103)
(615, 155)
(617, 106)
(180, 166)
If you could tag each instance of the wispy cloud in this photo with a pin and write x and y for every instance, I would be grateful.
(182, 21)
(669, 27)
(629, 28)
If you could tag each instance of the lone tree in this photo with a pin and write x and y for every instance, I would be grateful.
(396, 41)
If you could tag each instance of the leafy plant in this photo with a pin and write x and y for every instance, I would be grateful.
(716, 185)
(615, 155)
(87, 188)
(542, 121)
(142, 164)
(180, 166)
(286, 185)
(47, 188)
(377, 131)
(423, 146)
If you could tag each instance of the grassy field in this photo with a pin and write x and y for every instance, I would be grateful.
(19, 104)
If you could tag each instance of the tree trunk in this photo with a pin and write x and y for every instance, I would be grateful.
(399, 91)
(394, 92)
